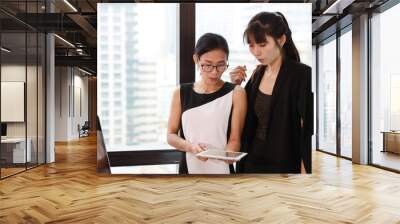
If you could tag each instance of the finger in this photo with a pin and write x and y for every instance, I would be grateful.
(242, 74)
(236, 80)
(203, 158)
(238, 69)
(203, 146)
(197, 149)
(238, 76)
(242, 67)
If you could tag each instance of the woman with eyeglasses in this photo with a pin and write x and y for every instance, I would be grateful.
(279, 122)
(207, 113)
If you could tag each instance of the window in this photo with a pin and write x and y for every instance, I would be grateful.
(346, 94)
(153, 80)
(117, 66)
(385, 87)
(105, 113)
(103, 38)
(327, 96)
(104, 84)
(118, 85)
(117, 76)
(104, 76)
(117, 94)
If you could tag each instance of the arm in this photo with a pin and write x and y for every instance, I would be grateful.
(173, 124)
(305, 109)
(238, 117)
(173, 128)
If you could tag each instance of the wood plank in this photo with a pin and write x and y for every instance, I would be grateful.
(70, 191)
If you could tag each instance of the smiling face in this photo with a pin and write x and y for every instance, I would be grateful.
(211, 65)
(268, 51)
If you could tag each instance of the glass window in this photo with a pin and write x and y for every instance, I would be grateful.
(117, 76)
(385, 89)
(153, 79)
(13, 123)
(230, 21)
(104, 84)
(327, 96)
(346, 94)
(104, 76)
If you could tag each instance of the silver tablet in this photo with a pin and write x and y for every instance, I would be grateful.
(222, 154)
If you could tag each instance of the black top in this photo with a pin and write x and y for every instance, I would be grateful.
(286, 142)
(262, 108)
(191, 99)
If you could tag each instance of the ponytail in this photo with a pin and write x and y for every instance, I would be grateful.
(289, 46)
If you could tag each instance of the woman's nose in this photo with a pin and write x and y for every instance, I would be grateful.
(214, 71)
(257, 51)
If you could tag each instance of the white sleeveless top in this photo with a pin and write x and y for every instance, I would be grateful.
(206, 119)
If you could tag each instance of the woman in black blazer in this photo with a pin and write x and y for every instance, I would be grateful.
(279, 122)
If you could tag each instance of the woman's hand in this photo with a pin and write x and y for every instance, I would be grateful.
(229, 161)
(197, 148)
(238, 75)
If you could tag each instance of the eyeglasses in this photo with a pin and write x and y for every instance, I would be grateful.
(210, 68)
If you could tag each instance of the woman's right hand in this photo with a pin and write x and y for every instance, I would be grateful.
(238, 75)
(197, 148)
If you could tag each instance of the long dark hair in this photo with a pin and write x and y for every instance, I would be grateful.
(273, 24)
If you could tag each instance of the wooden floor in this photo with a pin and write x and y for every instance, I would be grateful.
(70, 191)
(387, 159)
(10, 171)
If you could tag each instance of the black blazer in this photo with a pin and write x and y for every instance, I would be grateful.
(292, 99)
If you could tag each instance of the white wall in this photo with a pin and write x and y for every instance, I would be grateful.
(12, 73)
(70, 83)
(33, 126)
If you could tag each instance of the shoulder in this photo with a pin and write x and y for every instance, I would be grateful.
(238, 90)
(299, 68)
(239, 94)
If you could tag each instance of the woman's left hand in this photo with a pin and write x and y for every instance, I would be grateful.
(229, 161)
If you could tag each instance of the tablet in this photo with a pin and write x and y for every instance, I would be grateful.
(222, 154)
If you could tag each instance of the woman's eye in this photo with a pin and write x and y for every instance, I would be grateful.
(263, 45)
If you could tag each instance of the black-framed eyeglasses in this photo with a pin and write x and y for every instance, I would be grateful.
(210, 68)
